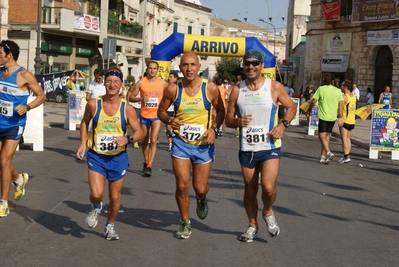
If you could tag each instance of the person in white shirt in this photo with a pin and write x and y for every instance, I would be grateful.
(356, 92)
(369, 96)
(96, 87)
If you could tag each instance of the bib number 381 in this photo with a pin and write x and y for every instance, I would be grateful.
(254, 135)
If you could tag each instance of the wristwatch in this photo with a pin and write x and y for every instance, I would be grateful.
(27, 107)
(285, 123)
(216, 130)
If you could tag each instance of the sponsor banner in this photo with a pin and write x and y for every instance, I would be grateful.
(331, 11)
(384, 130)
(334, 63)
(214, 45)
(86, 22)
(374, 10)
(385, 37)
(77, 105)
(314, 119)
(53, 83)
(337, 43)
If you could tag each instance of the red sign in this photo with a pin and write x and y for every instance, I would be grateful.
(331, 11)
(95, 24)
(87, 22)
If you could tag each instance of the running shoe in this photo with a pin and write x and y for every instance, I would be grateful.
(170, 147)
(322, 159)
(202, 208)
(329, 157)
(249, 235)
(184, 231)
(92, 217)
(109, 232)
(4, 210)
(20, 188)
(344, 160)
(136, 145)
(236, 132)
(147, 172)
(271, 224)
(144, 167)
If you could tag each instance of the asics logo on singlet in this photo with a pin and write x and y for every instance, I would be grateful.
(254, 130)
(190, 128)
(107, 138)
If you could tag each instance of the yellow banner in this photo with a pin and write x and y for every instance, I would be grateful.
(164, 69)
(269, 73)
(337, 43)
(214, 45)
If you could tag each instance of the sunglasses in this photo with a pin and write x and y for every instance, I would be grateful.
(5, 44)
(253, 63)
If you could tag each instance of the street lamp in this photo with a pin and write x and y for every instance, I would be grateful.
(274, 29)
(38, 59)
(267, 26)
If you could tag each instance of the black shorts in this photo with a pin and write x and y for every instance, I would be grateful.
(325, 126)
(348, 127)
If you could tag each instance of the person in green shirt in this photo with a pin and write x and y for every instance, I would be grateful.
(328, 98)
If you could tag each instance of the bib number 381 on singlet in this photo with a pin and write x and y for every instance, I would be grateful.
(254, 135)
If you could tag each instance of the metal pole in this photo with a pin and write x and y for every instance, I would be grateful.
(267, 26)
(38, 59)
(274, 30)
(143, 67)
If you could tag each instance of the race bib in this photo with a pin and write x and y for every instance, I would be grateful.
(105, 142)
(152, 102)
(6, 108)
(254, 135)
(192, 132)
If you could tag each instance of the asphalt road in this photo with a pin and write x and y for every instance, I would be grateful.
(329, 215)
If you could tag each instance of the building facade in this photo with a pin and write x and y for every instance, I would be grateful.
(355, 40)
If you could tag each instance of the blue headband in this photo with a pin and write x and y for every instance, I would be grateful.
(114, 73)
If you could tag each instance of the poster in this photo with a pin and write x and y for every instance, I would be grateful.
(53, 83)
(76, 106)
(384, 130)
(314, 119)
(295, 120)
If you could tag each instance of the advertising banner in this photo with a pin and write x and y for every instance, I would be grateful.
(331, 11)
(314, 119)
(334, 63)
(77, 104)
(337, 43)
(384, 130)
(53, 83)
(374, 10)
(86, 22)
(295, 120)
(384, 37)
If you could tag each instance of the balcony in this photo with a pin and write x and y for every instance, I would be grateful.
(123, 27)
(51, 18)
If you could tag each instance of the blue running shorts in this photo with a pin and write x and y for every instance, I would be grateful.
(250, 159)
(13, 133)
(147, 122)
(112, 167)
(197, 154)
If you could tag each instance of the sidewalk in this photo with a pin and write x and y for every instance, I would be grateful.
(360, 136)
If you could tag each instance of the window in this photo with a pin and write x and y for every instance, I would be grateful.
(190, 29)
(175, 26)
(202, 31)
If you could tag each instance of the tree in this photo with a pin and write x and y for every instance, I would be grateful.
(228, 68)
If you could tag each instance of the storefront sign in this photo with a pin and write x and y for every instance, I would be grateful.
(334, 63)
(337, 43)
(385, 37)
(374, 10)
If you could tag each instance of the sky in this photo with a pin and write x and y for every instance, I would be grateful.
(252, 10)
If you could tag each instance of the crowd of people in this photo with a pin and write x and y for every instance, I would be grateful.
(193, 111)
